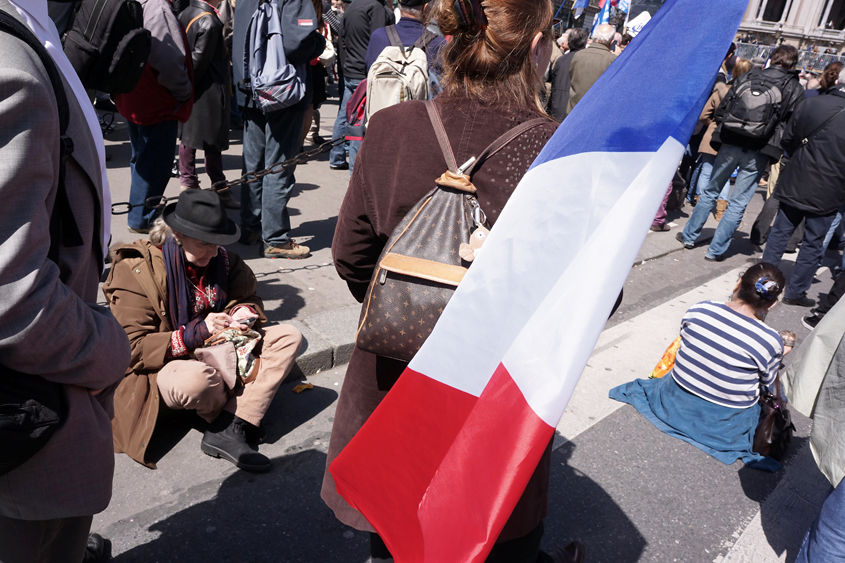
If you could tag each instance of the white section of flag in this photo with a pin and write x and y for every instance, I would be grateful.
(548, 356)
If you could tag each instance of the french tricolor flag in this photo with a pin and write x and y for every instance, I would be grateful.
(440, 465)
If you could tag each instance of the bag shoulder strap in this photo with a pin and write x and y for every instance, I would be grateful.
(806, 139)
(393, 36)
(424, 40)
(63, 227)
(190, 23)
(442, 138)
(503, 141)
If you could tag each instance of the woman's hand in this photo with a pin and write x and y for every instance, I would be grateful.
(242, 313)
(215, 322)
(787, 350)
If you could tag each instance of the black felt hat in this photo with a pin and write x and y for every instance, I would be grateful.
(200, 214)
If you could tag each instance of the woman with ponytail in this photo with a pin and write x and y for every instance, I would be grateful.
(493, 64)
(727, 353)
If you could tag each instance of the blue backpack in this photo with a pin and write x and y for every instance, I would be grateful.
(269, 79)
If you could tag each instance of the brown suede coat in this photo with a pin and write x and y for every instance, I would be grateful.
(137, 294)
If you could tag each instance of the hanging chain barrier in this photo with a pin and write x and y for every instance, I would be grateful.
(158, 202)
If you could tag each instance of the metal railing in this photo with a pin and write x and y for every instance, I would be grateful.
(809, 62)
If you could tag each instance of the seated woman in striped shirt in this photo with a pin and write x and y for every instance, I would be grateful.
(710, 397)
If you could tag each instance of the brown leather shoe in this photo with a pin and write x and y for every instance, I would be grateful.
(574, 552)
(228, 200)
(291, 251)
(721, 207)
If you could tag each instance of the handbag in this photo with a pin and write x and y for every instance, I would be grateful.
(32, 408)
(667, 362)
(421, 266)
(775, 428)
(328, 56)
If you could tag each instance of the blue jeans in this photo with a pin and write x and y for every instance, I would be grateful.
(153, 148)
(269, 139)
(815, 229)
(837, 221)
(751, 165)
(825, 540)
(337, 156)
(701, 177)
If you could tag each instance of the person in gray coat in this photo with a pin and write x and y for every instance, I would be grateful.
(50, 324)
(588, 65)
(208, 127)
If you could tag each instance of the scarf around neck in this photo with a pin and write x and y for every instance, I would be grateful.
(180, 294)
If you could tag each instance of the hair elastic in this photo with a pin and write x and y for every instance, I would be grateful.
(470, 13)
(766, 287)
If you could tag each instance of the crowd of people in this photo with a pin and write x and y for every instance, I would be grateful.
(430, 82)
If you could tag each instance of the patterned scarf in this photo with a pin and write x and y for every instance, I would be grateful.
(180, 293)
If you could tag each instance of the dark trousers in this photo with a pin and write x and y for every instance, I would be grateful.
(520, 550)
(43, 541)
(815, 229)
(152, 159)
(763, 225)
(269, 139)
(188, 167)
(833, 296)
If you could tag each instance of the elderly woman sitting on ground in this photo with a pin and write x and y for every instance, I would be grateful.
(192, 316)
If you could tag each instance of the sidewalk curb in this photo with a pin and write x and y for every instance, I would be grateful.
(328, 340)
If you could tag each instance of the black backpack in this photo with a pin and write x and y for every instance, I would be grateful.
(32, 408)
(754, 107)
(108, 45)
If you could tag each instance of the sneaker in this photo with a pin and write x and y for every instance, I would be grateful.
(799, 302)
(810, 322)
(226, 438)
(291, 251)
(174, 172)
(718, 258)
(680, 238)
(228, 200)
(661, 228)
(317, 139)
(344, 166)
(574, 552)
(249, 237)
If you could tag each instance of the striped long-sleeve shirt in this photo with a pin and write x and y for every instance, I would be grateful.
(725, 356)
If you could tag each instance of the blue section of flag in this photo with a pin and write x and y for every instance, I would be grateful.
(656, 88)
(581, 4)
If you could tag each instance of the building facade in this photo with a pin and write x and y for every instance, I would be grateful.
(802, 23)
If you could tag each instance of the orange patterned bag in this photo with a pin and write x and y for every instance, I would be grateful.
(667, 362)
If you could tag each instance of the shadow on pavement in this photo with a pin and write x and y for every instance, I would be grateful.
(580, 508)
(321, 232)
(275, 517)
(272, 289)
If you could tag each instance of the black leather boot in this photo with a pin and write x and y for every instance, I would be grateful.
(226, 438)
(97, 550)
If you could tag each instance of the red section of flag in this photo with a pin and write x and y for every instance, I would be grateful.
(437, 472)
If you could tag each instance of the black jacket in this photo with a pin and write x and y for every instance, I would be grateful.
(792, 93)
(560, 79)
(814, 179)
(360, 20)
(208, 126)
(299, 34)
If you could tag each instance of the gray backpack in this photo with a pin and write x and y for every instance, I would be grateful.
(269, 79)
(754, 107)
